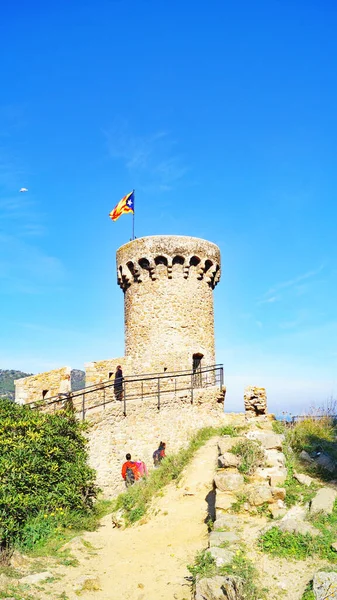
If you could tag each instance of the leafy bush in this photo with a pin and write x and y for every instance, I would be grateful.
(43, 471)
(252, 455)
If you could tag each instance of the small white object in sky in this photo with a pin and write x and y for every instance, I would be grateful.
(23, 190)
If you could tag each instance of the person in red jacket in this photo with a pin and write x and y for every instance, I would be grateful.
(130, 471)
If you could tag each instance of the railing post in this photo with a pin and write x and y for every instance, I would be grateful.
(103, 396)
(175, 386)
(124, 398)
(142, 389)
(221, 378)
(158, 390)
(192, 388)
(83, 408)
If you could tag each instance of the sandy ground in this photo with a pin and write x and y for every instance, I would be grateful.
(148, 562)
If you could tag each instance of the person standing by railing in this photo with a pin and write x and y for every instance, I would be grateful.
(118, 383)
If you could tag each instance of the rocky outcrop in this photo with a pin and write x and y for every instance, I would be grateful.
(325, 586)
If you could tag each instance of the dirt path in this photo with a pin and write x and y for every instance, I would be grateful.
(148, 562)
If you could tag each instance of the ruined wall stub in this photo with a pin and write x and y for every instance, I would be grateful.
(168, 284)
(42, 386)
(255, 400)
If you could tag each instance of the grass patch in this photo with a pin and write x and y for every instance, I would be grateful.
(17, 592)
(44, 534)
(314, 436)
(252, 456)
(136, 500)
(297, 545)
(229, 430)
(205, 566)
(279, 427)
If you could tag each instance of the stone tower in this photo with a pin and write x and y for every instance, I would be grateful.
(168, 284)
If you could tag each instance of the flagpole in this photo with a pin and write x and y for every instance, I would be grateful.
(133, 216)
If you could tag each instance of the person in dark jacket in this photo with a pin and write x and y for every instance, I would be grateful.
(118, 383)
(159, 454)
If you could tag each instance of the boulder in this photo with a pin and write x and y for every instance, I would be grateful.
(35, 578)
(297, 526)
(303, 479)
(276, 511)
(259, 494)
(305, 457)
(216, 538)
(222, 556)
(324, 501)
(219, 588)
(269, 441)
(278, 493)
(334, 546)
(18, 560)
(325, 585)
(223, 501)
(227, 459)
(227, 442)
(278, 477)
(228, 482)
(227, 522)
(274, 458)
(325, 462)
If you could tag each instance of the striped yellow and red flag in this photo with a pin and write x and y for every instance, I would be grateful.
(125, 205)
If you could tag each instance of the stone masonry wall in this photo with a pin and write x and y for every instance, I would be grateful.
(41, 386)
(100, 370)
(168, 284)
(111, 435)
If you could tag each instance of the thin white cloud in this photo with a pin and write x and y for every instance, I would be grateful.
(270, 295)
(149, 158)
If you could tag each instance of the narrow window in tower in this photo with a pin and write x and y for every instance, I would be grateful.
(111, 374)
(45, 394)
(197, 372)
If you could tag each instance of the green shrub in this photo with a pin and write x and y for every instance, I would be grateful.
(43, 471)
(252, 455)
(204, 566)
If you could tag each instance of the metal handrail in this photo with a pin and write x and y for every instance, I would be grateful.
(157, 391)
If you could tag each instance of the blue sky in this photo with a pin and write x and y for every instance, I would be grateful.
(222, 116)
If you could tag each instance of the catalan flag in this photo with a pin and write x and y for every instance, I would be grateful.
(125, 205)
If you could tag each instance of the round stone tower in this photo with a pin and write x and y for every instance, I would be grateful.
(168, 284)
